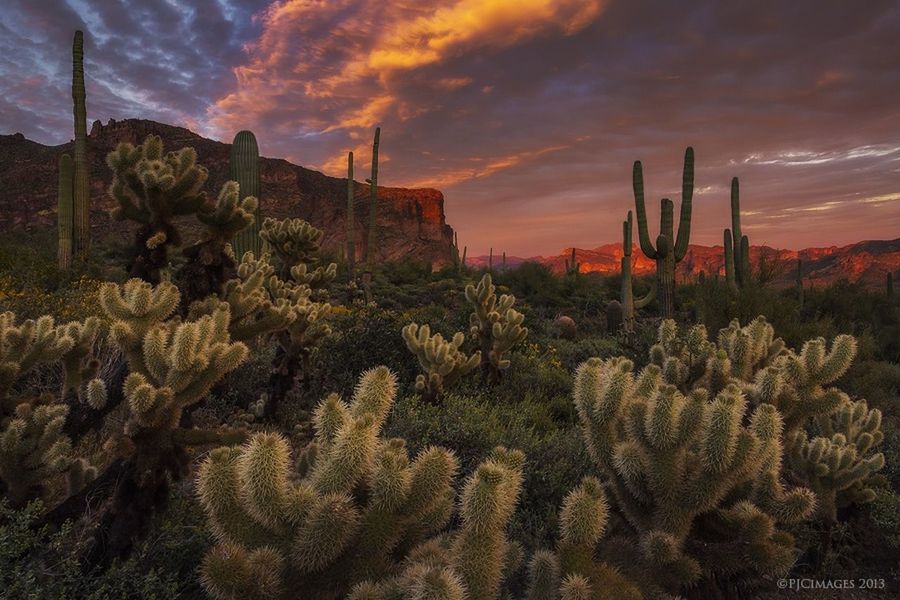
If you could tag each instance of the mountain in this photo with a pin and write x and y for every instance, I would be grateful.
(867, 262)
(411, 221)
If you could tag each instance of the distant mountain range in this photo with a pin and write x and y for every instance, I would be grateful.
(867, 262)
(410, 221)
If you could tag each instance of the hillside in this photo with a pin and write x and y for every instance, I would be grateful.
(411, 221)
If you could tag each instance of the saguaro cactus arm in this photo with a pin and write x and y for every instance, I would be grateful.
(637, 179)
(687, 195)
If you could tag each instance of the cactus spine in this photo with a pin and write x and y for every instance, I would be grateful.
(373, 202)
(668, 251)
(737, 245)
(351, 224)
(629, 302)
(245, 170)
(64, 216)
(81, 189)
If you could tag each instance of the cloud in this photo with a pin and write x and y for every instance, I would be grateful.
(527, 114)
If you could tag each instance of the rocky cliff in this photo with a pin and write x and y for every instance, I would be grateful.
(867, 262)
(411, 221)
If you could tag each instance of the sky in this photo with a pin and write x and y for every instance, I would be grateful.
(526, 114)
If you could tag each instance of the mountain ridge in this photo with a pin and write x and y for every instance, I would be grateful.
(411, 222)
(866, 262)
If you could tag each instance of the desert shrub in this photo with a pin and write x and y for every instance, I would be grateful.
(38, 562)
(876, 381)
(885, 513)
(365, 337)
(472, 425)
(573, 353)
(891, 450)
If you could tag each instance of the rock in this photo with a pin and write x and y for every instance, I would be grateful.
(565, 327)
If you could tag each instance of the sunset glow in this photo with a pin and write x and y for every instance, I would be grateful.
(526, 114)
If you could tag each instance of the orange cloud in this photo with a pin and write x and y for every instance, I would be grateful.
(494, 165)
(468, 24)
(321, 66)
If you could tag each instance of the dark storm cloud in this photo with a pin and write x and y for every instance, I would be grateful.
(164, 60)
(526, 113)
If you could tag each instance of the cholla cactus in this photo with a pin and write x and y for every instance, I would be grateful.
(294, 242)
(34, 451)
(40, 342)
(573, 572)
(79, 364)
(496, 325)
(693, 445)
(253, 310)
(471, 563)
(264, 305)
(752, 358)
(153, 188)
(135, 308)
(183, 361)
(318, 279)
(209, 265)
(840, 465)
(25, 346)
(358, 501)
(677, 462)
(33, 447)
(443, 362)
(172, 364)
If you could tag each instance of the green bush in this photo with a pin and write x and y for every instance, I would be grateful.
(37, 563)
(472, 425)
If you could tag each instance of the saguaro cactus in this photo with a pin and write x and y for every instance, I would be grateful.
(668, 251)
(64, 212)
(573, 267)
(351, 222)
(81, 188)
(629, 302)
(799, 282)
(244, 167)
(372, 238)
(889, 285)
(737, 245)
